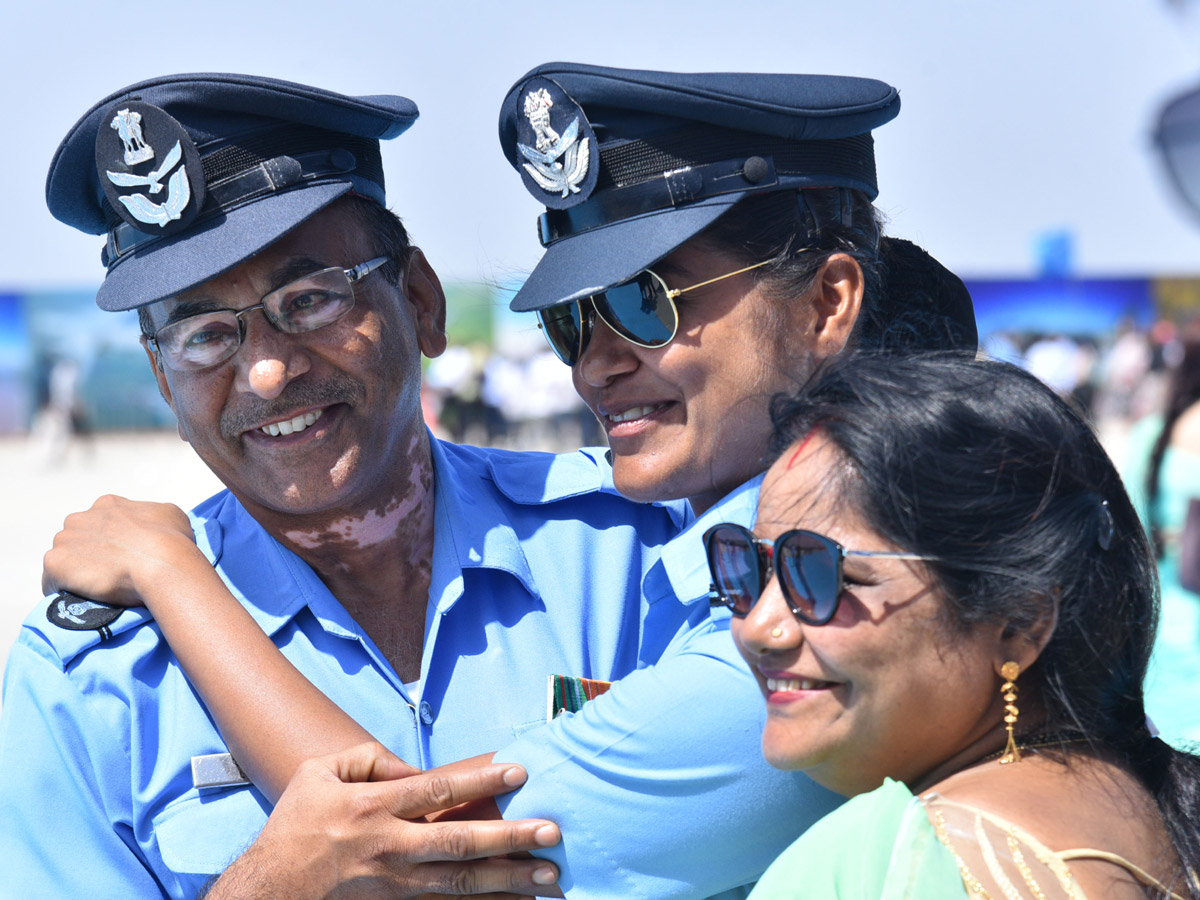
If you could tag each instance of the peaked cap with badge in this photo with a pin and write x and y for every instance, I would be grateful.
(188, 176)
(631, 164)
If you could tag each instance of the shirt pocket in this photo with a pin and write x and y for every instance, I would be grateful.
(200, 835)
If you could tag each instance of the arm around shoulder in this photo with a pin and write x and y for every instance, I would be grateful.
(660, 786)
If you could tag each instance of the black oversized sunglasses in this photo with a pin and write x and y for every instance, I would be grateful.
(808, 566)
(641, 310)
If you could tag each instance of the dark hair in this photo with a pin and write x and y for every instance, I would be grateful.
(385, 234)
(777, 225)
(1183, 393)
(910, 301)
(979, 465)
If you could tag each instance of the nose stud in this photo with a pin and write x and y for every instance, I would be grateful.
(776, 632)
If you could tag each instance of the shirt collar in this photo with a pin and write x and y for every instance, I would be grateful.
(470, 529)
(473, 525)
(271, 581)
(683, 559)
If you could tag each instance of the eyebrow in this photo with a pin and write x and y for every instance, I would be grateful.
(199, 303)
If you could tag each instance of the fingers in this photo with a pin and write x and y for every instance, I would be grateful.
(431, 791)
(370, 762)
(439, 842)
(493, 878)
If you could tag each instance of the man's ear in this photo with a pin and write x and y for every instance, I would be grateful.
(160, 377)
(424, 291)
(837, 299)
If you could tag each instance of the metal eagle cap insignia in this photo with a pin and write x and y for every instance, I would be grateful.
(166, 196)
(557, 163)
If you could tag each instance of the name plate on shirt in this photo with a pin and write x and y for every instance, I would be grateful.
(566, 693)
(217, 770)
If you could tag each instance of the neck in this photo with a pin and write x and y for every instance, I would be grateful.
(375, 555)
(992, 746)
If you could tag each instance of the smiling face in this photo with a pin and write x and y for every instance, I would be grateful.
(888, 687)
(690, 420)
(321, 424)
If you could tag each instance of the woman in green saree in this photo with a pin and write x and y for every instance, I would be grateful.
(949, 605)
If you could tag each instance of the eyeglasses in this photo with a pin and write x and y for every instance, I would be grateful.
(641, 310)
(306, 304)
(808, 566)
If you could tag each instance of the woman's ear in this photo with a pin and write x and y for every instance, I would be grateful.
(1024, 646)
(836, 303)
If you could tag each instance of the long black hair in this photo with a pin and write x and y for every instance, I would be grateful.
(979, 465)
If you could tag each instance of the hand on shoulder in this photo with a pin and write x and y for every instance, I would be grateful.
(118, 549)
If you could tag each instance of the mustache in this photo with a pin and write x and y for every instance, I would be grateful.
(337, 388)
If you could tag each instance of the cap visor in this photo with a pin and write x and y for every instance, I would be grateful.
(175, 265)
(590, 262)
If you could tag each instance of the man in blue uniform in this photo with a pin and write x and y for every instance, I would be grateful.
(428, 589)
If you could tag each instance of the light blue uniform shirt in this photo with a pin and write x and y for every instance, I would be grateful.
(537, 570)
(660, 784)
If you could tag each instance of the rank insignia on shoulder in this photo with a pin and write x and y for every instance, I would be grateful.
(557, 144)
(77, 613)
(566, 693)
(149, 168)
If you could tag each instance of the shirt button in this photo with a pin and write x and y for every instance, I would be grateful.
(426, 712)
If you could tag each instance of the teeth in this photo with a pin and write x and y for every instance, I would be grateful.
(794, 684)
(636, 413)
(291, 426)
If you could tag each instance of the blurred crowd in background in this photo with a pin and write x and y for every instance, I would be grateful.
(475, 395)
(522, 397)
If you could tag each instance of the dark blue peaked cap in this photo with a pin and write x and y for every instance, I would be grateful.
(632, 163)
(190, 175)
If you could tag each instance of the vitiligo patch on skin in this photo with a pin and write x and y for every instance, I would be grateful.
(374, 526)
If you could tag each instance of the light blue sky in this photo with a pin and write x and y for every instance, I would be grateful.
(1018, 117)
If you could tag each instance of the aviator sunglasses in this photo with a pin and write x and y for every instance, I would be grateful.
(209, 338)
(641, 310)
(808, 566)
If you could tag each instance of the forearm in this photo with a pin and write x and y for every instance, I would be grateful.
(677, 742)
(133, 552)
(248, 685)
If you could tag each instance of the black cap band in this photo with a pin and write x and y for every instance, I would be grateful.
(649, 175)
(669, 189)
(244, 169)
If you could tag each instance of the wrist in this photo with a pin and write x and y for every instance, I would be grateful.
(170, 560)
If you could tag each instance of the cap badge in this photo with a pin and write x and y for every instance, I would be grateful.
(558, 164)
(149, 207)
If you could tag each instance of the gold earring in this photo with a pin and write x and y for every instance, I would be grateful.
(776, 632)
(1009, 672)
